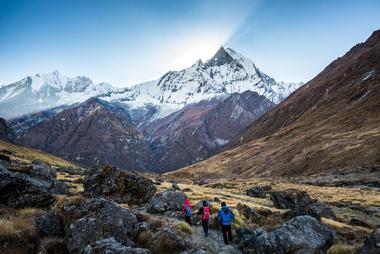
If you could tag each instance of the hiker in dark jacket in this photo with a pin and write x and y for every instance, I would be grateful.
(205, 212)
(225, 217)
(187, 211)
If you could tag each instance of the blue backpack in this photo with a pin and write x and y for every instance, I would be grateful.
(226, 216)
(188, 211)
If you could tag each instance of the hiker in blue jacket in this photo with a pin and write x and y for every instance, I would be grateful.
(225, 217)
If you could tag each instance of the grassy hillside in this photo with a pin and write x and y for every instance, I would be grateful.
(27, 155)
(330, 126)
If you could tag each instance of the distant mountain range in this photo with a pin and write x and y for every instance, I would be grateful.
(161, 125)
(329, 126)
(226, 73)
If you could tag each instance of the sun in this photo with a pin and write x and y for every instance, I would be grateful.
(196, 48)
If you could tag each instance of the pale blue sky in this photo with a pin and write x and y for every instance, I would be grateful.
(126, 42)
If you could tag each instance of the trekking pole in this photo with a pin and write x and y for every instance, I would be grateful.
(217, 234)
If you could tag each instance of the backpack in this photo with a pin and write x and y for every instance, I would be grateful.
(206, 213)
(188, 211)
(226, 216)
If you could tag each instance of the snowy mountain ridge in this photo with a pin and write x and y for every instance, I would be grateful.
(227, 72)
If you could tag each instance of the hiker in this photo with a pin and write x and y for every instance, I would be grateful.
(187, 211)
(205, 212)
(225, 217)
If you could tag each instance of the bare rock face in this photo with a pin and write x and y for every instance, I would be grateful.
(97, 219)
(169, 200)
(168, 242)
(293, 199)
(6, 132)
(110, 245)
(43, 170)
(119, 185)
(199, 130)
(93, 133)
(49, 224)
(256, 192)
(300, 235)
(18, 190)
(300, 203)
(371, 244)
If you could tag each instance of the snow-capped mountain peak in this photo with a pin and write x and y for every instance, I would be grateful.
(227, 72)
(47, 90)
(221, 57)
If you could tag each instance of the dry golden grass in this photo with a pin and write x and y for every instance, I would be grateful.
(63, 200)
(73, 180)
(342, 249)
(15, 226)
(338, 226)
(184, 227)
(234, 192)
(27, 155)
(27, 212)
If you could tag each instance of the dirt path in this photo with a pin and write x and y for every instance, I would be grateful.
(210, 244)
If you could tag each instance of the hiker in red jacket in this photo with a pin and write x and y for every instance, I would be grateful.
(187, 210)
(205, 211)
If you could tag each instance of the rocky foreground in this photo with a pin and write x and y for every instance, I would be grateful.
(122, 212)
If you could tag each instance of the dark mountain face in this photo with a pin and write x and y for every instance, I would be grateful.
(6, 133)
(97, 132)
(199, 130)
(93, 133)
(220, 58)
(328, 126)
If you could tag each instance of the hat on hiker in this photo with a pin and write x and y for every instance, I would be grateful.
(223, 204)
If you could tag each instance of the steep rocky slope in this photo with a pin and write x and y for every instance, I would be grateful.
(330, 125)
(199, 130)
(92, 133)
(6, 133)
(97, 132)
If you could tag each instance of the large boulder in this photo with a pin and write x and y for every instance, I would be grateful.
(167, 241)
(103, 218)
(319, 210)
(169, 200)
(300, 235)
(42, 170)
(53, 246)
(111, 246)
(59, 187)
(300, 203)
(119, 185)
(18, 190)
(290, 199)
(256, 192)
(49, 224)
(249, 212)
(371, 244)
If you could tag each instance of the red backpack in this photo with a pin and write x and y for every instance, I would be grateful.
(206, 213)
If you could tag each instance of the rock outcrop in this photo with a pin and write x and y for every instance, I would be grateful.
(111, 246)
(169, 200)
(257, 192)
(103, 218)
(300, 235)
(300, 203)
(371, 244)
(18, 190)
(42, 170)
(6, 132)
(49, 224)
(119, 185)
